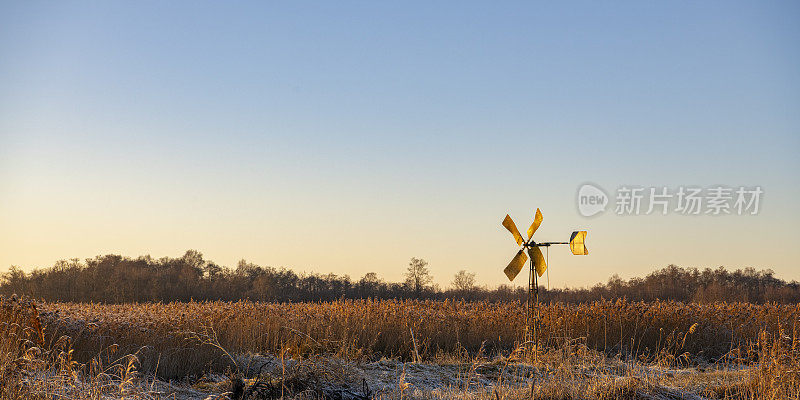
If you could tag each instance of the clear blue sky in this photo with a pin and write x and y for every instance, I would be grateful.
(347, 137)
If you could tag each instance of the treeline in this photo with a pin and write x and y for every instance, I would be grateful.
(690, 285)
(117, 279)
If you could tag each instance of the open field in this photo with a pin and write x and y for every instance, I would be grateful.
(393, 349)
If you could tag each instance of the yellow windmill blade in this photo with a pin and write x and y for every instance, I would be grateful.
(577, 243)
(538, 260)
(515, 266)
(535, 225)
(509, 224)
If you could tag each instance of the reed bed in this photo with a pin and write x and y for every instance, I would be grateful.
(368, 329)
(603, 350)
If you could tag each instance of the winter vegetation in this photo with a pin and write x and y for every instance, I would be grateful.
(395, 349)
(185, 328)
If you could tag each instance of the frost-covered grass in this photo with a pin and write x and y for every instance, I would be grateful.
(266, 376)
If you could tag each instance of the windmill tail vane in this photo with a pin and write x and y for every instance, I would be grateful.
(538, 266)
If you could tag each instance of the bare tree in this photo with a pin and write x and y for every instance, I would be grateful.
(194, 259)
(370, 278)
(464, 281)
(417, 275)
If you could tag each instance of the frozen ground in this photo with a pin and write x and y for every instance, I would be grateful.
(262, 377)
(588, 376)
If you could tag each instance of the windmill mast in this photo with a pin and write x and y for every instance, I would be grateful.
(532, 310)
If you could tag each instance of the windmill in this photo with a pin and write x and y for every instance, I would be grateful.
(537, 267)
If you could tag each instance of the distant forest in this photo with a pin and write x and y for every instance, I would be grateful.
(117, 279)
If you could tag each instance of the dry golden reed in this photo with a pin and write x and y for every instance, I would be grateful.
(92, 350)
(667, 331)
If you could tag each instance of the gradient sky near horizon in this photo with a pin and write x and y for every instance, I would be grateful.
(348, 137)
